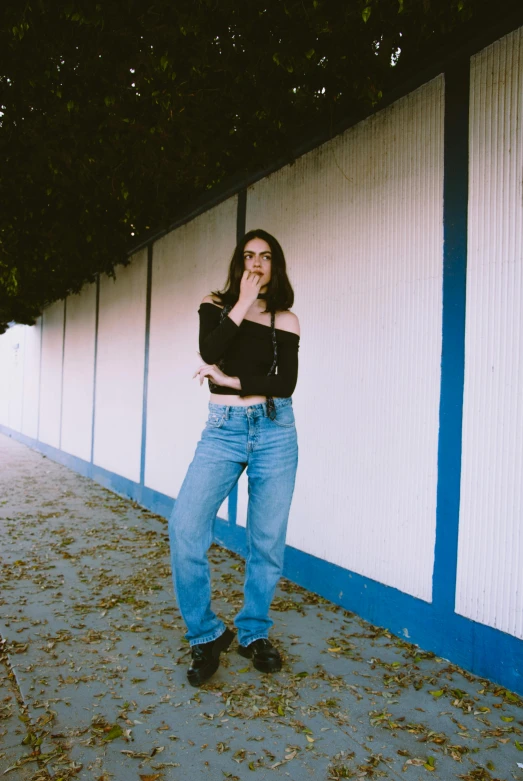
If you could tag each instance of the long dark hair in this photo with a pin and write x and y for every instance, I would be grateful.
(280, 295)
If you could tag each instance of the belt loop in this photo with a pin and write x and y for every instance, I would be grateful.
(227, 408)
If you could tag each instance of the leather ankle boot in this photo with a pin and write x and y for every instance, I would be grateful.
(265, 657)
(206, 658)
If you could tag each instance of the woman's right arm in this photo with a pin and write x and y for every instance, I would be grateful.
(215, 337)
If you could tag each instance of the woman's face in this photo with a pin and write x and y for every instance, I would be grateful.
(257, 257)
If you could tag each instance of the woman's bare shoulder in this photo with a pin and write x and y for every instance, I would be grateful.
(211, 300)
(287, 321)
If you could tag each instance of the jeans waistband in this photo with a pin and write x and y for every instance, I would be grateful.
(253, 409)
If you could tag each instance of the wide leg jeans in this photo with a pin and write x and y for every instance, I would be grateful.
(234, 439)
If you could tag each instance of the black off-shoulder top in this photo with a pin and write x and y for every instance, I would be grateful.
(247, 352)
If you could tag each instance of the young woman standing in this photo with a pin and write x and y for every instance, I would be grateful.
(249, 342)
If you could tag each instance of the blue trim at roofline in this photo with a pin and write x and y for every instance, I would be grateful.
(484, 651)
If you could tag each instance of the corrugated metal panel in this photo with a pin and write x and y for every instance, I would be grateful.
(51, 379)
(77, 405)
(5, 369)
(12, 345)
(33, 337)
(16, 380)
(490, 569)
(119, 370)
(360, 220)
(187, 264)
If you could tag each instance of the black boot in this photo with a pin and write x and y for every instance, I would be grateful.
(206, 658)
(265, 657)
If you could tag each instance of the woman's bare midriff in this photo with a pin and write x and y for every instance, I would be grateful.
(231, 400)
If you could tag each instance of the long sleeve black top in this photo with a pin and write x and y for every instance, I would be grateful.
(247, 352)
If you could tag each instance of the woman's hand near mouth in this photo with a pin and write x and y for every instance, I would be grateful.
(250, 286)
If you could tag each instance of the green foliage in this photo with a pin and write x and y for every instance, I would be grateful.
(115, 116)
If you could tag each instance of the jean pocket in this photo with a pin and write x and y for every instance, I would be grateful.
(215, 420)
(284, 417)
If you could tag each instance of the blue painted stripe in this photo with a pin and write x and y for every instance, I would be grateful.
(485, 651)
(455, 200)
(95, 361)
(146, 360)
(241, 211)
(62, 378)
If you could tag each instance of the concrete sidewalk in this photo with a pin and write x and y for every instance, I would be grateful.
(93, 670)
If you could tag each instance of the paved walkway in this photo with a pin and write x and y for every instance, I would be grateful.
(93, 664)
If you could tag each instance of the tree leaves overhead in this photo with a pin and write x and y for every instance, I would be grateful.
(116, 115)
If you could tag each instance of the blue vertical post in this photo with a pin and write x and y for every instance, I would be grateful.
(455, 206)
(241, 215)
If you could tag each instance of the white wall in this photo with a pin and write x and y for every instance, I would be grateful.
(16, 389)
(12, 377)
(5, 372)
(490, 565)
(120, 369)
(187, 264)
(51, 374)
(360, 220)
(77, 407)
(31, 389)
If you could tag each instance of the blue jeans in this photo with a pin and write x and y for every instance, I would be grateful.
(235, 438)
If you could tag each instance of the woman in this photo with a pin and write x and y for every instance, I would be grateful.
(249, 342)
